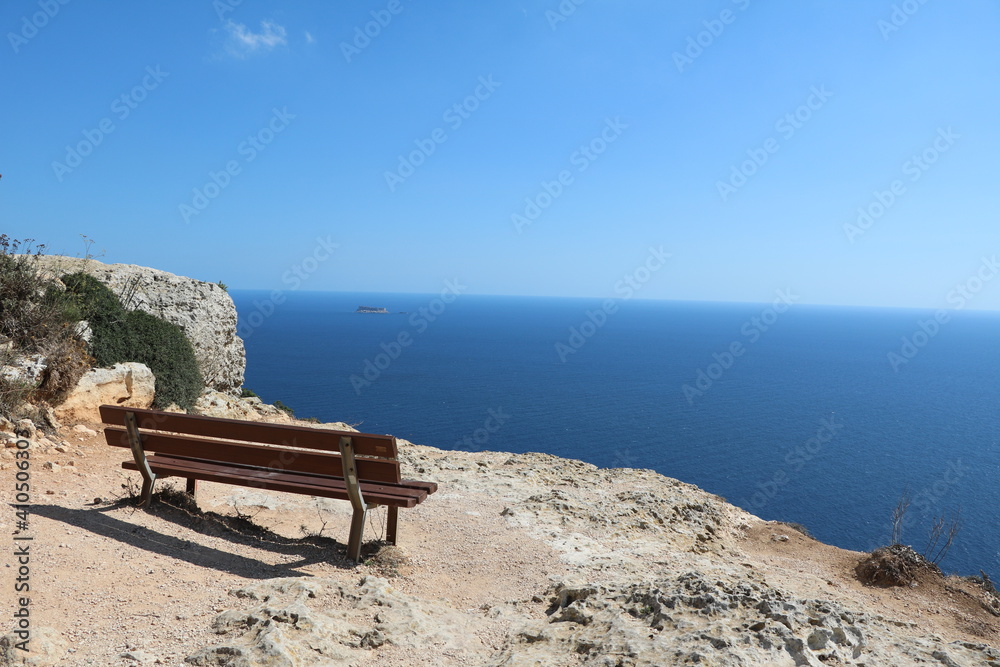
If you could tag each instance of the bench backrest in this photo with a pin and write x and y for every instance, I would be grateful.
(278, 446)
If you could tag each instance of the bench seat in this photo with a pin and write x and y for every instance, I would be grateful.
(362, 468)
(324, 486)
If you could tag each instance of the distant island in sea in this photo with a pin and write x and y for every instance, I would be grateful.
(371, 309)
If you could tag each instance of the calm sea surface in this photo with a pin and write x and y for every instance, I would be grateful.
(797, 415)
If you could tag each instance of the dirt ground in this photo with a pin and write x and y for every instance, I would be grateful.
(113, 580)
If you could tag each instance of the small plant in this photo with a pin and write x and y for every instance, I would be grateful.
(942, 529)
(942, 533)
(314, 534)
(284, 408)
(247, 517)
(87, 244)
(224, 286)
(248, 393)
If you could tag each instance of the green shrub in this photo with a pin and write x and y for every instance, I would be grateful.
(121, 335)
(247, 393)
(284, 408)
(163, 347)
(92, 300)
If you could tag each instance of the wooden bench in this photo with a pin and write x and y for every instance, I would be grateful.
(358, 467)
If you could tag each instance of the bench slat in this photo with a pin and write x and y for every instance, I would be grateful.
(365, 444)
(263, 456)
(276, 481)
(411, 487)
(430, 486)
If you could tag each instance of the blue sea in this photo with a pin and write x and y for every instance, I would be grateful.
(816, 415)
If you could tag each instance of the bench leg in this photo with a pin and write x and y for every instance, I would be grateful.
(390, 525)
(357, 533)
(147, 491)
(192, 488)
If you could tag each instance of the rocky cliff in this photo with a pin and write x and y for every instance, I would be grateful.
(204, 311)
(645, 570)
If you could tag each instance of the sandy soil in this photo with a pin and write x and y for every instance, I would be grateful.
(111, 579)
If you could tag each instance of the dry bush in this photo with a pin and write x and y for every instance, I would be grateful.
(14, 394)
(894, 565)
(65, 365)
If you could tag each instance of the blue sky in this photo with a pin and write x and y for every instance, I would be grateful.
(239, 141)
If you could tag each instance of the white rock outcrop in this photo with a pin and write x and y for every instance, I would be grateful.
(204, 311)
(219, 404)
(131, 384)
(661, 573)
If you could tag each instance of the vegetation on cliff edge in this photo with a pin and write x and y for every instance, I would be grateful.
(41, 316)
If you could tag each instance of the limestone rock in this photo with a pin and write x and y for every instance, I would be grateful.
(46, 647)
(204, 311)
(691, 618)
(50, 419)
(24, 369)
(218, 404)
(131, 385)
(287, 625)
(26, 429)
